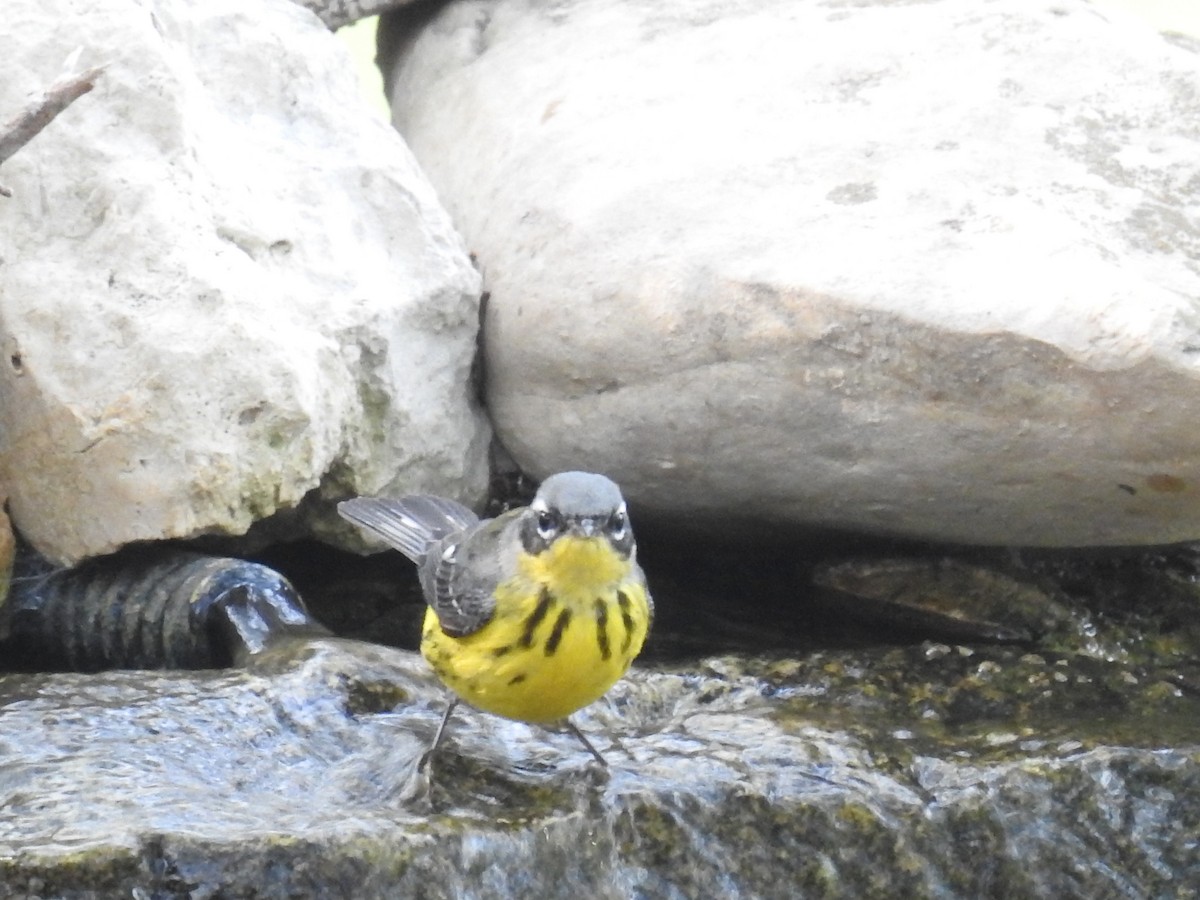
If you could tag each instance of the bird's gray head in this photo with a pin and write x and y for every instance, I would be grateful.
(581, 503)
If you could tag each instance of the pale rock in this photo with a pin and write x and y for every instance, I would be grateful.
(336, 13)
(927, 269)
(224, 284)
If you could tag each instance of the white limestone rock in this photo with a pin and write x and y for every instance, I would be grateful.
(223, 283)
(922, 269)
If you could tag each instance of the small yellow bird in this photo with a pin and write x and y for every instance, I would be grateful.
(534, 614)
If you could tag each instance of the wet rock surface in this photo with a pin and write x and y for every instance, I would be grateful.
(1064, 766)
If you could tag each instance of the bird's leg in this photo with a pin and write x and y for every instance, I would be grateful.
(437, 738)
(586, 743)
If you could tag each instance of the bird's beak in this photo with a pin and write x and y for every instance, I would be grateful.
(588, 527)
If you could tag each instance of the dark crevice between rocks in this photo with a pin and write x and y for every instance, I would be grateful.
(828, 594)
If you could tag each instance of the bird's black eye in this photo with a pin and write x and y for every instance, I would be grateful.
(546, 525)
(617, 524)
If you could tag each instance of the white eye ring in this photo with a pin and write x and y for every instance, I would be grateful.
(546, 526)
(618, 524)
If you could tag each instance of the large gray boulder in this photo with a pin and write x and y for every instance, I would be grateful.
(223, 283)
(923, 269)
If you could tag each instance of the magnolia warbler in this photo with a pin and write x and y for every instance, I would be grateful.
(532, 615)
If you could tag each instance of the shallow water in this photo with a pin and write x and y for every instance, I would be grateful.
(753, 777)
(1066, 766)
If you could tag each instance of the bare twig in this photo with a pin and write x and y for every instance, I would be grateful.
(21, 129)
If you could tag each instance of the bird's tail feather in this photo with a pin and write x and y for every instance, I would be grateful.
(410, 524)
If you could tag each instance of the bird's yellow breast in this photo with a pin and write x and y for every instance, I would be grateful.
(565, 628)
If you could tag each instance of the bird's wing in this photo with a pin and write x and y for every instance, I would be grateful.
(460, 574)
(411, 524)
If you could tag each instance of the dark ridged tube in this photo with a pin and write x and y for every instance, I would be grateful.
(151, 609)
